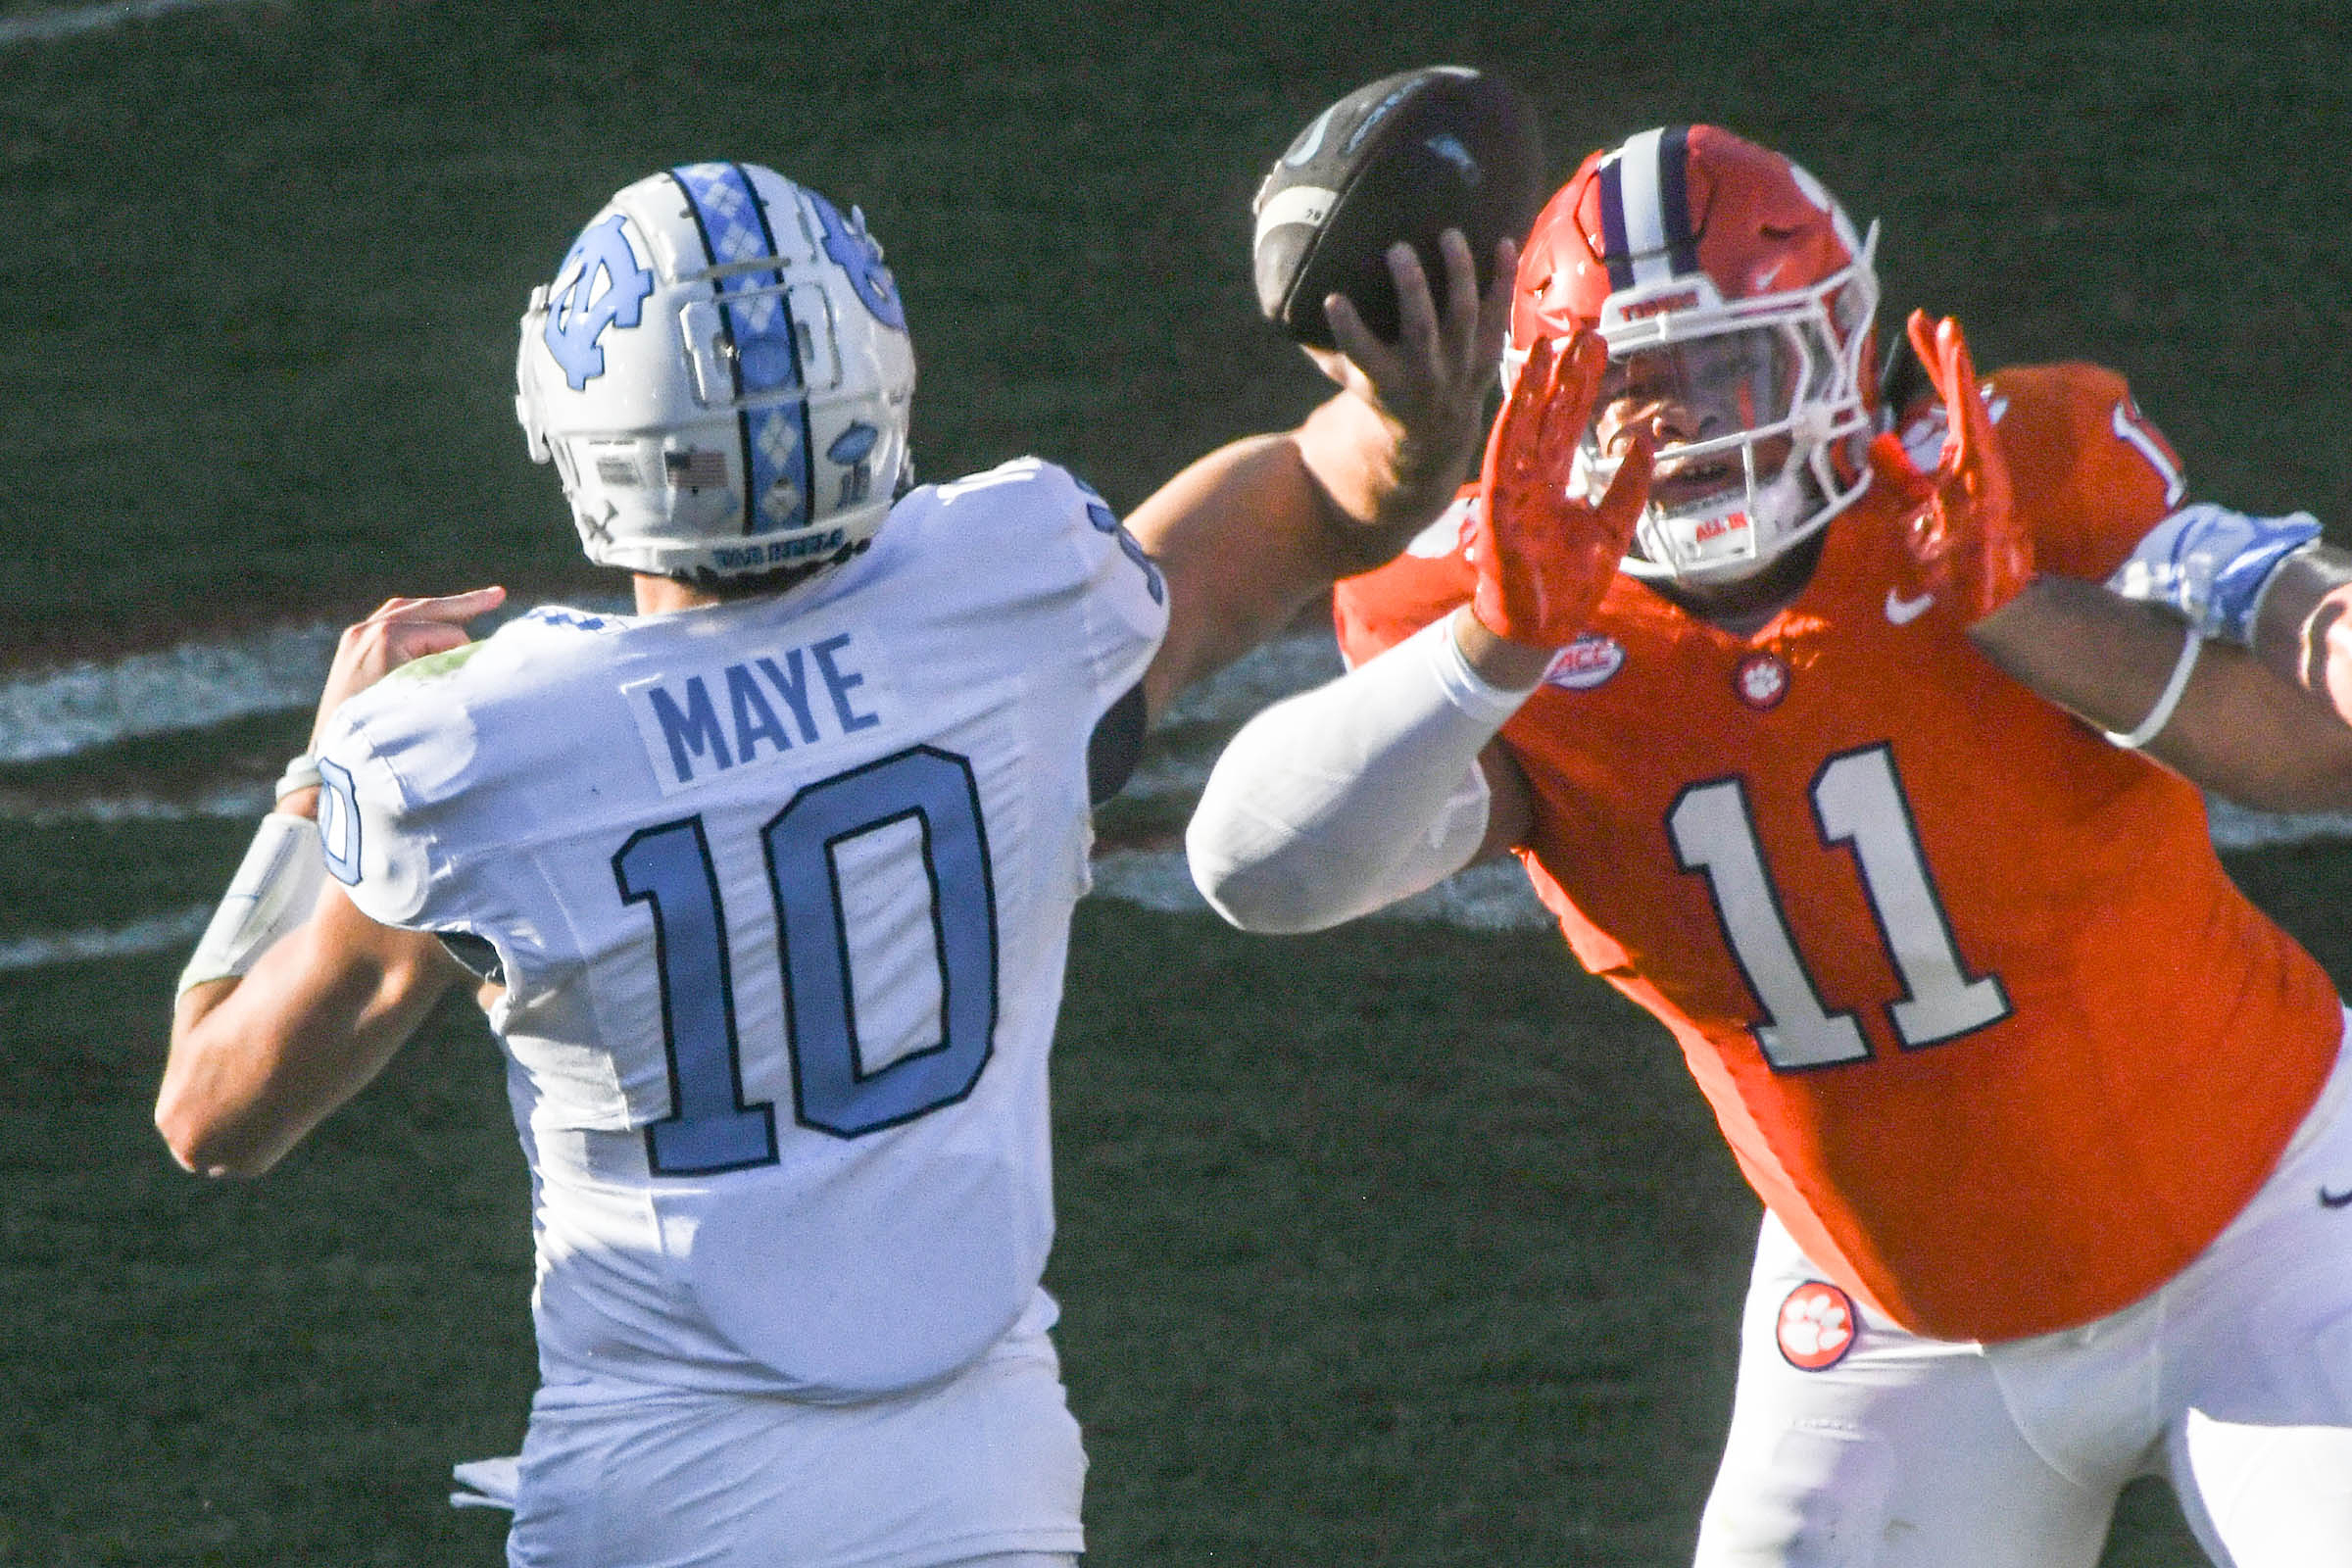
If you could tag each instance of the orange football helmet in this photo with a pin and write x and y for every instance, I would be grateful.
(1736, 297)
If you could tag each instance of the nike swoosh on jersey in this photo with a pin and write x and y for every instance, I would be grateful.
(1904, 611)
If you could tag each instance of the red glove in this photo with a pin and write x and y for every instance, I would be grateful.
(1962, 529)
(1543, 560)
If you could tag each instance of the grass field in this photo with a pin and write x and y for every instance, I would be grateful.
(1353, 1271)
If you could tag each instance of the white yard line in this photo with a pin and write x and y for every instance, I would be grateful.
(39, 26)
(193, 686)
(157, 933)
(198, 685)
(246, 799)
(1486, 898)
(2236, 828)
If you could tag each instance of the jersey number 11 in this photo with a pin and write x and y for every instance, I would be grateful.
(1858, 800)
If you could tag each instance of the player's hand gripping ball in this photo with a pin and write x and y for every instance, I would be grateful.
(1963, 531)
(1406, 158)
(1543, 557)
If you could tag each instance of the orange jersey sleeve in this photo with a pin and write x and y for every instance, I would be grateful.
(2091, 474)
(1976, 1005)
(1384, 607)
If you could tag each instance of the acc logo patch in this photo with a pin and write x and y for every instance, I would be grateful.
(1816, 1327)
(577, 312)
(1761, 680)
(1586, 663)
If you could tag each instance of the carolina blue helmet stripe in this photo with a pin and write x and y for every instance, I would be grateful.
(767, 355)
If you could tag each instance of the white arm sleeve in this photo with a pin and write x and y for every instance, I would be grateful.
(1361, 792)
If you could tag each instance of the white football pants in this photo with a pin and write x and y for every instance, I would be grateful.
(984, 1471)
(2233, 1379)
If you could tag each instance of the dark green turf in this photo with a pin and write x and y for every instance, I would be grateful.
(85, 876)
(269, 1374)
(1395, 1245)
(250, 752)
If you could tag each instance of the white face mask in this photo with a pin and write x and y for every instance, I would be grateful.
(1757, 410)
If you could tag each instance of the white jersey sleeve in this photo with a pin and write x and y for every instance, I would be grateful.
(781, 892)
(1116, 589)
(377, 827)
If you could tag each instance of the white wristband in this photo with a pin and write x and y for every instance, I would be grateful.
(302, 773)
(274, 892)
(2162, 713)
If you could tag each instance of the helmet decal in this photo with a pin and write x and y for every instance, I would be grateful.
(848, 452)
(767, 355)
(853, 250)
(577, 314)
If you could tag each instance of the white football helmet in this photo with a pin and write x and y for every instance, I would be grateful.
(1736, 298)
(722, 374)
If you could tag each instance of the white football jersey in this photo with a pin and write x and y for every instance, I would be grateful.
(780, 891)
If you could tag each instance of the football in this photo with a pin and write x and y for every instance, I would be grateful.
(1407, 157)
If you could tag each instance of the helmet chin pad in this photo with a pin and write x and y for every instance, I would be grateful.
(1731, 536)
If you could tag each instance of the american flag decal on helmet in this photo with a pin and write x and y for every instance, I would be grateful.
(766, 358)
(1645, 208)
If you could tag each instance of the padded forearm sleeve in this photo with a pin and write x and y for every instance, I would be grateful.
(274, 891)
(1364, 791)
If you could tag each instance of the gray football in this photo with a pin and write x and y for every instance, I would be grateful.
(1406, 157)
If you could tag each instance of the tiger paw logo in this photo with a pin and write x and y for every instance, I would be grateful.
(578, 311)
(1816, 1327)
(1761, 680)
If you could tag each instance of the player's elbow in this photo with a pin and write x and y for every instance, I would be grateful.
(1268, 882)
(208, 1144)
(1267, 899)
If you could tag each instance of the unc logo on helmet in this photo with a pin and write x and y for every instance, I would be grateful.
(857, 254)
(579, 311)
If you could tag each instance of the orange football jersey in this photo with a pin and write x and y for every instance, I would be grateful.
(1984, 1019)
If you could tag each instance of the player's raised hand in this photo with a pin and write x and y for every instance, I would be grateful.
(1963, 529)
(1430, 386)
(1543, 557)
(400, 630)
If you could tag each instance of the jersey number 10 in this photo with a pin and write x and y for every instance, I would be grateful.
(710, 1127)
